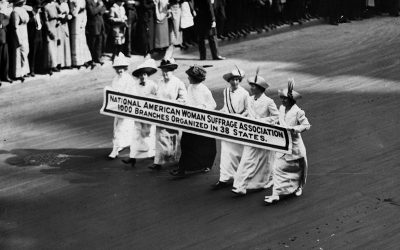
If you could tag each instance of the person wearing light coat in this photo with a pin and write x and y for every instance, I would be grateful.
(143, 139)
(255, 168)
(235, 102)
(290, 170)
(123, 127)
(172, 89)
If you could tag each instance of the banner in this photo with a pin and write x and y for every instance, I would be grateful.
(209, 123)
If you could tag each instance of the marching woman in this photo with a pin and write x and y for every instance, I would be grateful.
(143, 138)
(235, 102)
(167, 140)
(290, 170)
(123, 127)
(198, 152)
(255, 168)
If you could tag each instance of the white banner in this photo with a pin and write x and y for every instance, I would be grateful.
(209, 123)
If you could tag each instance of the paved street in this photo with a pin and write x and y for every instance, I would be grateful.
(57, 191)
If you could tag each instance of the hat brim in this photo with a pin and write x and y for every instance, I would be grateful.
(283, 92)
(265, 86)
(228, 76)
(168, 67)
(148, 70)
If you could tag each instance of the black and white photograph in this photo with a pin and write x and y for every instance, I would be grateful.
(199, 124)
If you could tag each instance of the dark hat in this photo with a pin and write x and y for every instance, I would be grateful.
(149, 67)
(198, 73)
(258, 81)
(17, 2)
(289, 92)
(168, 65)
(234, 73)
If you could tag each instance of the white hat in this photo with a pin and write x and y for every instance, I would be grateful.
(149, 67)
(234, 73)
(289, 92)
(120, 61)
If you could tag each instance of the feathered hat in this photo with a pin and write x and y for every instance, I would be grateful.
(234, 73)
(258, 80)
(289, 92)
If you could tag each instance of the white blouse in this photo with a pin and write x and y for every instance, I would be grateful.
(200, 96)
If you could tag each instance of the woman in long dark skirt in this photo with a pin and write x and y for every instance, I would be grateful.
(198, 152)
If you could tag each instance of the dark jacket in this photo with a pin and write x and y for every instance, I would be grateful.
(4, 20)
(95, 22)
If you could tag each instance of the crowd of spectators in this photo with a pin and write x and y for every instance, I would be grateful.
(45, 36)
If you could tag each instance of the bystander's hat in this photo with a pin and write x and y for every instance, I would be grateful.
(168, 65)
(234, 73)
(120, 61)
(149, 67)
(289, 92)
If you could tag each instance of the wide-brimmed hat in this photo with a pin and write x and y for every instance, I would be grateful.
(120, 61)
(259, 81)
(168, 65)
(197, 72)
(234, 73)
(149, 67)
(289, 92)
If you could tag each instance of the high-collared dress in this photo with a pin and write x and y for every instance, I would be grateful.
(143, 138)
(198, 152)
(235, 102)
(20, 47)
(80, 53)
(123, 127)
(255, 168)
(290, 170)
(64, 46)
(168, 140)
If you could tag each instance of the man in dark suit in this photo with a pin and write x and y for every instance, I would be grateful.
(130, 8)
(205, 24)
(95, 28)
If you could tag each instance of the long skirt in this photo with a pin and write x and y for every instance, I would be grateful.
(231, 153)
(167, 146)
(123, 130)
(255, 169)
(161, 37)
(198, 152)
(175, 23)
(64, 48)
(288, 176)
(143, 141)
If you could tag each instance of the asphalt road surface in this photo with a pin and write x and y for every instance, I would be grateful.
(58, 192)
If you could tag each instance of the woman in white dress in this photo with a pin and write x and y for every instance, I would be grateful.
(170, 88)
(123, 127)
(64, 47)
(290, 170)
(255, 168)
(143, 139)
(235, 102)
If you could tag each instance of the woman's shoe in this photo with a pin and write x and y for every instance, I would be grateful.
(269, 200)
(299, 192)
(155, 167)
(131, 161)
(177, 173)
(238, 192)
